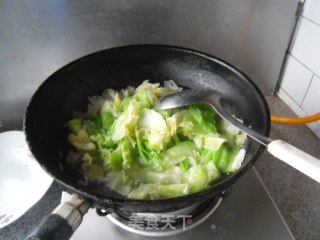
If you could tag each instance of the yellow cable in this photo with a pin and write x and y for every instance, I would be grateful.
(297, 120)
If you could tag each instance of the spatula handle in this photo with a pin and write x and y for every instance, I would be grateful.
(296, 158)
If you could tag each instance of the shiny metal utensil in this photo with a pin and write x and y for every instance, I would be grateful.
(280, 149)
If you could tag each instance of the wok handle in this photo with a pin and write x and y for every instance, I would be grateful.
(63, 221)
(296, 158)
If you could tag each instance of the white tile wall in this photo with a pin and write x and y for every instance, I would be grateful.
(307, 45)
(296, 79)
(300, 85)
(311, 103)
(312, 10)
(314, 126)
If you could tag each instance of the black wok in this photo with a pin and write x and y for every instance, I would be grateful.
(68, 89)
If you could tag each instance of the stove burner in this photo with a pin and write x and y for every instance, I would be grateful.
(165, 224)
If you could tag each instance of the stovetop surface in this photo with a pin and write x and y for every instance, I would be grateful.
(247, 213)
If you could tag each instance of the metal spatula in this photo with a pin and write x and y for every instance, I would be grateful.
(280, 149)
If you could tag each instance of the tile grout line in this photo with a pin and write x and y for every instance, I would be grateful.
(310, 70)
(299, 112)
(290, 96)
(307, 90)
(311, 20)
(290, 51)
(313, 126)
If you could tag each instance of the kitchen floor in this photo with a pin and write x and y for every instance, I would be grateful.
(297, 196)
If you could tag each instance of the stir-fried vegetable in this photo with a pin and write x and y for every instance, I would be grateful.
(148, 154)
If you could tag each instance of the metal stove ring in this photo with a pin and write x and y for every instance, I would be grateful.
(200, 218)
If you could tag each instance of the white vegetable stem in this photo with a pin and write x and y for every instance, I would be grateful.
(296, 158)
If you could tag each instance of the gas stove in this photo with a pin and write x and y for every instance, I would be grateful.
(247, 213)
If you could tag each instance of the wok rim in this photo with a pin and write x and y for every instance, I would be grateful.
(216, 188)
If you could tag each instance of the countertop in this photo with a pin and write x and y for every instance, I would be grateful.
(296, 196)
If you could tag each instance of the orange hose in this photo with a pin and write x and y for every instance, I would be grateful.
(297, 120)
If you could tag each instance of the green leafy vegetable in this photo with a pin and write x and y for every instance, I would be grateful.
(147, 154)
(196, 178)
